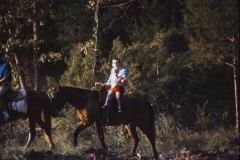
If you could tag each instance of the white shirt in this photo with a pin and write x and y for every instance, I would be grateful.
(122, 73)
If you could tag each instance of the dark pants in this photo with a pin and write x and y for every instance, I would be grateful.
(112, 102)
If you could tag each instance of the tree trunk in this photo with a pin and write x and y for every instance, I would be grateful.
(236, 93)
(35, 48)
(236, 81)
(20, 70)
(96, 34)
(236, 84)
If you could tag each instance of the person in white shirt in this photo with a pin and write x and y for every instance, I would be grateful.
(115, 89)
(123, 73)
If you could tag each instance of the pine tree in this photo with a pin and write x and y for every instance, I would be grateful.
(211, 27)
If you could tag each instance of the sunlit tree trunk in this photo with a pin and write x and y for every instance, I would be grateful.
(236, 72)
(35, 48)
(20, 71)
(236, 80)
(96, 35)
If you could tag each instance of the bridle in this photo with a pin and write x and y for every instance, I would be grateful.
(62, 97)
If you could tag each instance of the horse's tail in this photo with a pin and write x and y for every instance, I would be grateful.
(151, 117)
(46, 117)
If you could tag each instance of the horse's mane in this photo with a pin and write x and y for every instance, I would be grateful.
(76, 90)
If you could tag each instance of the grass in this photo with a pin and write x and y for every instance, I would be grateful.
(171, 140)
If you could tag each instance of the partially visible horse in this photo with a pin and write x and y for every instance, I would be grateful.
(89, 110)
(37, 110)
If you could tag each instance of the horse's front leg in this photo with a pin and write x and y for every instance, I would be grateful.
(32, 132)
(81, 126)
(99, 128)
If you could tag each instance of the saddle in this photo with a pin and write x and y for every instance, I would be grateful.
(16, 100)
(12, 95)
(126, 101)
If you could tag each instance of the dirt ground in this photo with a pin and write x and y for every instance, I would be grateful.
(100, 154)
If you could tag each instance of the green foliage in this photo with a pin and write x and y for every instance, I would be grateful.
(176, 60)
(80, 64)
(210, 27)
(74, 23)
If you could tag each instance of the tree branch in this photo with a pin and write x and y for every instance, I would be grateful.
(112, 23)
(229, 64)
(118, 5)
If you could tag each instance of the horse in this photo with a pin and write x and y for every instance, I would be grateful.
(35, 105)
(89, 109)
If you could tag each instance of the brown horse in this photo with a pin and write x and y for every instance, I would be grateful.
(38, 111)
(89, 110)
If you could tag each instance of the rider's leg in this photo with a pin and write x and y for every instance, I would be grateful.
(111, 104)
(3, 90)
(3, 109)
(106, 106)
(118, 101)
(112, 101)
(108, 95)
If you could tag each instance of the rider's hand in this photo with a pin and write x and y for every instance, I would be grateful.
(97, 83)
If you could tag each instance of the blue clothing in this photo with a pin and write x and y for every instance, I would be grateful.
(122, 73)
(5, 71)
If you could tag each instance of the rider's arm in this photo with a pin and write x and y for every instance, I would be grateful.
(124, 82)
(107, 84)
(4, 79)
(103, 84)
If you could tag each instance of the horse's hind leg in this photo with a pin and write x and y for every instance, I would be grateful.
(46, 133)
(32, 132)
(133, 134)
(99, 127)
(144, 127)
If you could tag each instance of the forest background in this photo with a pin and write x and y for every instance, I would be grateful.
(182, 56)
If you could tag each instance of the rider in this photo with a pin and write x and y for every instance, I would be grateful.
(115, 89)
(5, 84)
(110, 83)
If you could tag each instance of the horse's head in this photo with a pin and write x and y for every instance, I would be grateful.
(58, 100)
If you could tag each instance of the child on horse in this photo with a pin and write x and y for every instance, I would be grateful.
(115, 89)
(116, 65)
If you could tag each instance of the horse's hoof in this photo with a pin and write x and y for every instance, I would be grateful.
(136, 156)
(51, 148)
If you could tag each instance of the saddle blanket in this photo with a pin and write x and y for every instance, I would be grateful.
(125, 101)
(20, 102)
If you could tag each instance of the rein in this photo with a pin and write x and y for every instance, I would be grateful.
(86, 98)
